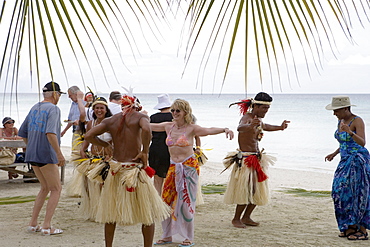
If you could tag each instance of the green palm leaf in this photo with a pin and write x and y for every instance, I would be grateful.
(270, 29)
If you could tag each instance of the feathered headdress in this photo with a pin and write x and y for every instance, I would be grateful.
(129, 103)
(128, 100)
(243, 105)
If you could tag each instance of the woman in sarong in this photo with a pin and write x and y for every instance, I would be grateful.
(180, 185)
(351, 184)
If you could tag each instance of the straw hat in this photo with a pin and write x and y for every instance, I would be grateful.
(163, 102)
(338, 102)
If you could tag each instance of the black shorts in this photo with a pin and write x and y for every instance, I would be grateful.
(37, 164)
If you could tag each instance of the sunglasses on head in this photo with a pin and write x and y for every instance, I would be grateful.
(177, 110)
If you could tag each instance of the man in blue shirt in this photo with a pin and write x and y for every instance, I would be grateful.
(41, 132)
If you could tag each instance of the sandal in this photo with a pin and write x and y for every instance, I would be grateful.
(48, 232)
(360, 235)
(347, 232)
(33, 229)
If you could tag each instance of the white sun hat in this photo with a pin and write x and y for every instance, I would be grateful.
(163, 101)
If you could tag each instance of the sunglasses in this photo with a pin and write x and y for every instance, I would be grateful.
(177, 110)
(10, 122)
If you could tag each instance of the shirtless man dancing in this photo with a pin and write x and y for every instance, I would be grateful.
(124, 200)
(248, 181)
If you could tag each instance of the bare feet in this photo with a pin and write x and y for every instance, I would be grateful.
(250, 223)
(238, 224)
(186, 242)
(164, 241)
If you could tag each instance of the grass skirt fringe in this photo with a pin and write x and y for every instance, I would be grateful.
(202, 158)
(96, 174)
(76, 185)
(128, 197)
(90, 199)
(199, 198)
(244, 188)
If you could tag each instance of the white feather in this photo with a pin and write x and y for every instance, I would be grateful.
(130, 91)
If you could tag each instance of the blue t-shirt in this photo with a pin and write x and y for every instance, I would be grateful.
(43, 118)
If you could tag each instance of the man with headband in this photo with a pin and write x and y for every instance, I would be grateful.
(128, 195)
(248, 185)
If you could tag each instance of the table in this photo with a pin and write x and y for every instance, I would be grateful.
(19, 143)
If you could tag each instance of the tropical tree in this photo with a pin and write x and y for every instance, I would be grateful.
(42, 36)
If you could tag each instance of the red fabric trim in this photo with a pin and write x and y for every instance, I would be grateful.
(253, 162)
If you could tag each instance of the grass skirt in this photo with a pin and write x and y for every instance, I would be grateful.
(90, 199)
(77, 183)
(243, 187)
(128, 197)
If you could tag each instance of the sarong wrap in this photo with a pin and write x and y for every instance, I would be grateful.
(180, 192)
(128, 197)
(248, 183)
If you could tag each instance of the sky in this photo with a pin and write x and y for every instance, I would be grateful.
(160, 67)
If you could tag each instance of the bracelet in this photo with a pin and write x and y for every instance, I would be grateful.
(197, 147)
(351, 134)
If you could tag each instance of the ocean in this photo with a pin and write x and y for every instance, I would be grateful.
(302, 146)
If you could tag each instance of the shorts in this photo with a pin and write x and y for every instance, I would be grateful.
(37, 164)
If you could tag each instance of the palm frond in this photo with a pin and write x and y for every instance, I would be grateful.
(88, 27)
(274, 26)
(55, 34)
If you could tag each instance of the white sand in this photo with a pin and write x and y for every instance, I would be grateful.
(288, 220)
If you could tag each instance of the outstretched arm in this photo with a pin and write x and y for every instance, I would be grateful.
(201, 131)
(283, 126)
(69, 124)
(159, 126)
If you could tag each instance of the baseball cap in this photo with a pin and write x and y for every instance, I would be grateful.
(52, 86)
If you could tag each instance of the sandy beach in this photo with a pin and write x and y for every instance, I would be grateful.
(288, 220)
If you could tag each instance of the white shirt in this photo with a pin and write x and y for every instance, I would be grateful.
(114, 107)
